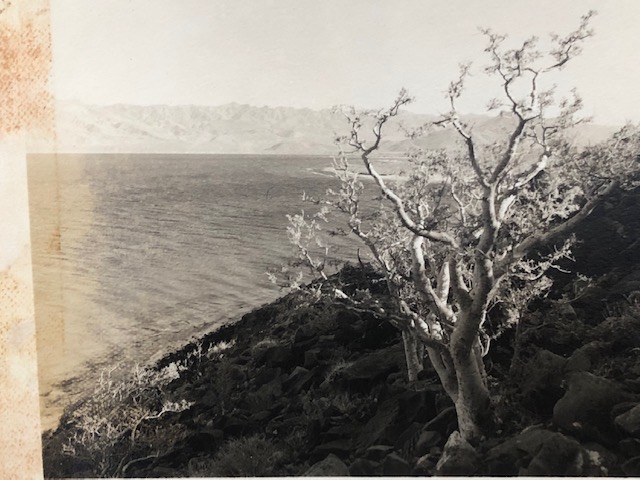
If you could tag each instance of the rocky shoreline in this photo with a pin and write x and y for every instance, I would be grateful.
(308, 386)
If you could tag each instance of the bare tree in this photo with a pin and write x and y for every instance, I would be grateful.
(457, 235)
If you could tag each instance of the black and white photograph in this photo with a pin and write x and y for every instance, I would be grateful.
(338, 238)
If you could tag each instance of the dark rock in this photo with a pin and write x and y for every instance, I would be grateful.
(395, 465)
(558, 456)
(341, 448)
(458, 457)
(445, 422)
(551, 330)
(621, 332)
(585, 408)
(585, 357)
(263, 397)
(340, 431)
(274, 355)
(416, 407)
(541, 381)
(244, 358)
(443, 401)
(426, 441)
(540, 452)
(326, 340)
(425, 466)
(630, 421)
(266, 375)
(236, 373)
(377, 452)
(260, 417)
(307, 331)
(405, 441)
(632, 467)
(396, 377)
(371, 368)
(511, 456)
(378, 333)
(362, 467)
(331, 411)
(311, 358)
(376, 426)
(235, 426)
(350, 327)
(299, 378)
(210, 399)
(601, 461)
(621, 408)
(331, 466)
(629, 447)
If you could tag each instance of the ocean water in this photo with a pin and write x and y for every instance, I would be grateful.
(135, 254)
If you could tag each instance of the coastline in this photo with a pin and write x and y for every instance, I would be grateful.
(304, 385)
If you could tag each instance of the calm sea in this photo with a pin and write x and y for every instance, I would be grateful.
(135, 254)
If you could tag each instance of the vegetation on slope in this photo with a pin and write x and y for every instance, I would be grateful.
(309, 383)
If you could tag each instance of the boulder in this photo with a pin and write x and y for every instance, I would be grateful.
(266, 375)
(585, 357)
(311, 358)
(371, 368)
(540, 452)
(541, 380)
(377, 452)
(299, 378)
(375, 428)
(632, 467)
(630, 421)
(426, 441)
(416, 406)
(601, 461)
(274, 355)
(513, 455)
(341, 448)
(425, 466)
(558, 456)
(445, 422)
(263, 397)
(458, 457)
(629, 447)
(362, 467)
(340, 431)
(331, 466)
(395, 465)
(585, 408)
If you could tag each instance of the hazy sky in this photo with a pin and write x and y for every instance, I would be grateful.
(317, 54)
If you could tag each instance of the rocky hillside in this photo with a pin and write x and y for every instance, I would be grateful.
(308, 386)
(235, 128)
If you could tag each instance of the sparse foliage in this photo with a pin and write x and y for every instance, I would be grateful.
(472, 230)
(117, 414)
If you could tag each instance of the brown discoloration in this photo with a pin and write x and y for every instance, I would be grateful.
(25, 62)
(55, 242)
(26, 109)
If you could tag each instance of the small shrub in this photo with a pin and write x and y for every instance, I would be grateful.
(108, 425)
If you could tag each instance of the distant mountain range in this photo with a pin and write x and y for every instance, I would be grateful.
(235, 128)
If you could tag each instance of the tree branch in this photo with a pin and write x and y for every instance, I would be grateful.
(536, 240)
